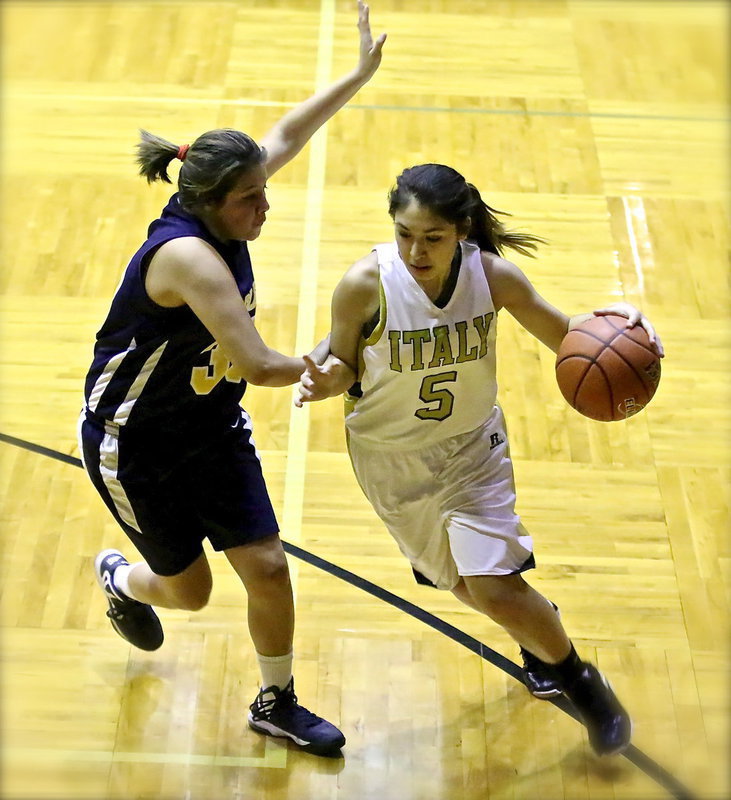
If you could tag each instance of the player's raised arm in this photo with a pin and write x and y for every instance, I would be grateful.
(294, 129)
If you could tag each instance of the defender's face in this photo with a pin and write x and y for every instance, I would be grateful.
(242, 212)
(426, 244)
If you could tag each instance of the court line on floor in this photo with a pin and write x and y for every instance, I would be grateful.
(55, 99)
(299, 423)
(642, 761)
(274, 758)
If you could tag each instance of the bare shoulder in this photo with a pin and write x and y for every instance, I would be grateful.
(185, 250)
(503, 277)
(364, 272)
(180, 263)
(358, 288)
(189, 258)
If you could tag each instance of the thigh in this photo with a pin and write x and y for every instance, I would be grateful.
(171, 490)
(226, 481)
(485, 534)
(487, 589)
(136, 487)
(405, 491)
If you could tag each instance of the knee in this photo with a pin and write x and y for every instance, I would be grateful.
(195, 601)
(191, 598)
(273, 570)
(261, 566)
(495, 596)
(498, 607)
(269, 574)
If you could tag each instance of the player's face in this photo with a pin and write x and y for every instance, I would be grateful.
(426, 244)
(242, 212)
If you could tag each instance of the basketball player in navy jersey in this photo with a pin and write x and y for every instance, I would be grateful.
(163, 436)
(413, 322)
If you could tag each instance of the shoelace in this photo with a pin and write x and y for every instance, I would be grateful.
(119, 608)
(285, 700)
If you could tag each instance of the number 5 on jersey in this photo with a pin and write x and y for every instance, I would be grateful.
(443, 398)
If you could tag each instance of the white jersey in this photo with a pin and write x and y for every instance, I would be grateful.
(428, 372)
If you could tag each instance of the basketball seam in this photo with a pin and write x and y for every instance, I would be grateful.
(633, 368)
(580, 356)
(591, 361)
(609, 386)
(624, 331)
(596, 338)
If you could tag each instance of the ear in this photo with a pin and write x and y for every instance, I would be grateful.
(464, 229)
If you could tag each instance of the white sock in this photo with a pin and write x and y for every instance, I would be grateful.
(121, 579)
(275, 670)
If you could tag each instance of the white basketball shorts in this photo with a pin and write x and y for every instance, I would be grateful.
(449, 506)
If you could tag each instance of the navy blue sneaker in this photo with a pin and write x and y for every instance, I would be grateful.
(608, 724)
(539, 677)
(276, 712)
(134, 621)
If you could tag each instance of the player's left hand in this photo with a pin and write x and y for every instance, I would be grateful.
(370, 51)
(634, 317)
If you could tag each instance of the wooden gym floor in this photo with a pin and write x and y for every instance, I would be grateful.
(602, 125)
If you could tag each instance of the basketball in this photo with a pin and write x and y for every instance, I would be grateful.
(606, 371)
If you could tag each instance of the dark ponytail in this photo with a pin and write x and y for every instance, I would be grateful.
(211, 166)
(154, 155)
(447, 194)
(489, 233)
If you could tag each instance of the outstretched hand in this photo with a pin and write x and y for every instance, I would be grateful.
(306, 388)
(634, 317)
(370, 51)
(319, 382)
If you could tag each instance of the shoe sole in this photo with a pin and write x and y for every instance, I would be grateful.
(546, 695)
(271, 730)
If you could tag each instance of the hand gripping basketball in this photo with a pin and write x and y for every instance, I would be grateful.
(607, 371)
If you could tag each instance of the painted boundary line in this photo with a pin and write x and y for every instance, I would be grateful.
(642, 761)
(299, 418)
(274, 758)
(55, 99)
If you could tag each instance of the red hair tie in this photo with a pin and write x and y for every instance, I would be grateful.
(183, 151)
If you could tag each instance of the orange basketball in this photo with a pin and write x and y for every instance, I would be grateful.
(607, 371)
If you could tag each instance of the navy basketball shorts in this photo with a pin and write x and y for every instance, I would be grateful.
(170, 491)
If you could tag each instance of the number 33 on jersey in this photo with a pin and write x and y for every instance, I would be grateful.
(205, 378)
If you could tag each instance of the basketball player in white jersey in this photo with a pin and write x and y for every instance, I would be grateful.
(413, 344)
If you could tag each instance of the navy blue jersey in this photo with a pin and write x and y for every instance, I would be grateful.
(161, 366)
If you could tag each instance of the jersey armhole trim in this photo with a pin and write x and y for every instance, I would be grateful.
(145, 262)
(377, 332)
